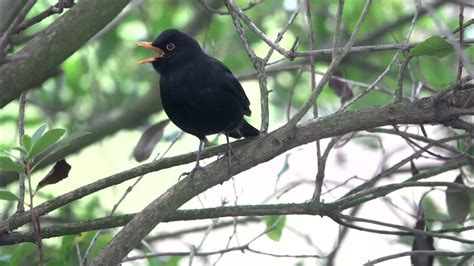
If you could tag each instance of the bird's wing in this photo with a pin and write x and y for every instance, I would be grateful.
(235, 87)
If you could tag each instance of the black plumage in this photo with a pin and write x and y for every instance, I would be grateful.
(198, 92)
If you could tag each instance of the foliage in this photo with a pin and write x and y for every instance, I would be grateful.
(98, 82)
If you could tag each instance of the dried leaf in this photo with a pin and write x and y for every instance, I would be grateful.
(340, 87)
(59, 172)
(148, 141)
(457, 201)
(422, 243)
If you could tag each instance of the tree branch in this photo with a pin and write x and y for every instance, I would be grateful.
(52, 46)
(251, 212)
(123, 117)
(264, 149)
(390, 27)
(421, 252)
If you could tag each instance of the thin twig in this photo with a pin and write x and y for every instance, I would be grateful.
(392, 26)
(195, 249)
(122, 198)
(372, 85)
(21, 133)
(421, 252)
(461, 44)
(392, 169)
(465, 25)
(332, 67)
(5, 39)
(281, 34)
(452, 40)
(337, 34)
(78, 252)
(321, 169)
(58, 8)
(250, 5)
(404, 63)
(257, 62)
(405, 228)
(366, 48)
(233, 8)
(309, 24)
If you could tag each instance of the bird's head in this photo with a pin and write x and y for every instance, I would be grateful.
(172, 47)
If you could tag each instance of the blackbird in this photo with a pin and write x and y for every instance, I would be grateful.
(198, 92)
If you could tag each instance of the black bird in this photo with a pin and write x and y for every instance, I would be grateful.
(198, 92)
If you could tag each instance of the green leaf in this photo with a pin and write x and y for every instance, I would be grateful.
(72, 137)
(48, 139)
(457, 201)
(38, 133)
(5, 260)
(27, 142)
(173, 261)
(433, 46)
(8, 196)
(74, 68)
(461, 144)
(22, 150)
(277, 222)
(11, 155)
(65, 255)
(23, 254)
(7, 164)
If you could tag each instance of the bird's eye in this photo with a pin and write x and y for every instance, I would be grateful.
(170, 46)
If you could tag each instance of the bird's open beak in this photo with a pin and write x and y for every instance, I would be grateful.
(157, 50)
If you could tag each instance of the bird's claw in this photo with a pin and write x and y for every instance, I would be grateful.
(191, 173)
(232, 155)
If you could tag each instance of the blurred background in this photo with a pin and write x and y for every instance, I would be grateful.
(102, 90)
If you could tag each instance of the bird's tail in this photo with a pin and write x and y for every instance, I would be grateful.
(245, 130)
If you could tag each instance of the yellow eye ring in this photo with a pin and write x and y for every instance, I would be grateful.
(170, 46)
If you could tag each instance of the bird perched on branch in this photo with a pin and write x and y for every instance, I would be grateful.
(198, 92)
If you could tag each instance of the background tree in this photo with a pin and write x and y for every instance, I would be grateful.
(366, 108)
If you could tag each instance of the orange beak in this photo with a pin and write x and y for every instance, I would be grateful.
(157, 50)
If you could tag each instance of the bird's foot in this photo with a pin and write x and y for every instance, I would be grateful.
(230, 158)
(231, 153)
(192, 172)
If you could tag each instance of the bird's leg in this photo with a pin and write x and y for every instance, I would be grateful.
(230, 153)
(197, 167)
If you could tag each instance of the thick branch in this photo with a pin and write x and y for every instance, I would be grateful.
(122, 117)
(264, 149)
(251, 212)
(53, 45)
(279, 141)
